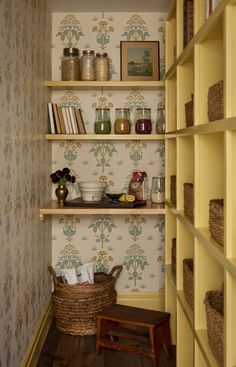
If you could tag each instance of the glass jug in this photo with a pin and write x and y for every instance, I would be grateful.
(160, 125)
(158, 190)
(143, 123)
(122, 122)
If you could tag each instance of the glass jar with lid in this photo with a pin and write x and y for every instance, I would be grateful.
(70, 64)
(160, 125)
(122, 121)
(102, 123)
(158, 190)
(143, 123)
(102, 66)
(88, 65)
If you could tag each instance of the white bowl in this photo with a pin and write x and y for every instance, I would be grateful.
(92, 190)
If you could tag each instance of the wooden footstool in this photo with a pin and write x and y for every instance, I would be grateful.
(128, 323)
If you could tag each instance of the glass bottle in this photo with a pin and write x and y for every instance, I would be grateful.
(102, 121)
(88, 65)
(143, 123)
(158, 190)
(102, 66)
(122, 121)
(160, 125)
(70, 64)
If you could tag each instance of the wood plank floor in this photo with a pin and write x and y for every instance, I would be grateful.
(63, 350)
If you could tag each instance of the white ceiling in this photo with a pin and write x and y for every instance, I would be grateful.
(109, 6)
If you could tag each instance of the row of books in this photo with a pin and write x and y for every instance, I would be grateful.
(65, 119)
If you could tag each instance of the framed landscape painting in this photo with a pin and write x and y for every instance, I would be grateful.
(139, 60)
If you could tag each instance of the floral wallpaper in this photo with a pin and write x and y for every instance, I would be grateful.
(136, 242)
(25, 244)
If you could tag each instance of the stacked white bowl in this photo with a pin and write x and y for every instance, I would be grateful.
(92, 190)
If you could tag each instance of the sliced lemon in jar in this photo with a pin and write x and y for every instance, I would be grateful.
(130, 198)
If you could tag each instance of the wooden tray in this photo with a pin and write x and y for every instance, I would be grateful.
(104, 203)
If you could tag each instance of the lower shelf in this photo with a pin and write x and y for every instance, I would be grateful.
(52, 208)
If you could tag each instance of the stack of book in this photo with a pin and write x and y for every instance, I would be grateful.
(188, 21)
(65, 119)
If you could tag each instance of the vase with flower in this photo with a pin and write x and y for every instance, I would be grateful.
(62, 177)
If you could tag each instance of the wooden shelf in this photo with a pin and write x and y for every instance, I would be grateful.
(104, 137)
(52, 208)
(111, 84)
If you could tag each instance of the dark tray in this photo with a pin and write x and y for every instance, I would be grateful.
(104, 203)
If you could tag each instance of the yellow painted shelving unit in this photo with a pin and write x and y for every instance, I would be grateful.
(203, 154)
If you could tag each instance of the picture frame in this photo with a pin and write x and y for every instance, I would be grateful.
(139, 60)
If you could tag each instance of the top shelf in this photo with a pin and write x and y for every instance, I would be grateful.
(111, 84)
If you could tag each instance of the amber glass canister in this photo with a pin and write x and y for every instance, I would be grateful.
(122, 121)
(143, 123)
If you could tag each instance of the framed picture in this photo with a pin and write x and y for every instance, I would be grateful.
(139, 60)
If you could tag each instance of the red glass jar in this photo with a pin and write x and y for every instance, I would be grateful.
(143, 123)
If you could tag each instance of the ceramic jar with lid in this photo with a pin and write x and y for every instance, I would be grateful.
(160, 125)
(102, 66)
(122, 121)
(143, 123)
(70, 64)
(88, 65)
(102, 123)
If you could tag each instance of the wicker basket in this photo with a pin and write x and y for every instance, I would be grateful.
(188, 280)
(173, 257)
(189, 113)
(216, 101)
(214, 304)
(188, 201)
(75, 306)
(216, 220)
(173, 190)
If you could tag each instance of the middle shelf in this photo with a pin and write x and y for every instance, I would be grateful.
(52, 208)
(104, 137)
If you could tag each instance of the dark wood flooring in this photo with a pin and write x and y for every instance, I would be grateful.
(63, 350)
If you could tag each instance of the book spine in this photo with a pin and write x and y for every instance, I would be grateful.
(51, 118)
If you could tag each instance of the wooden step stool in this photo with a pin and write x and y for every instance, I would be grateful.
(124, 322)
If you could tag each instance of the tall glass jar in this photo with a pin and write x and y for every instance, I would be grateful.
(158, 190)
(160, 125)
(70, 64)
(88, 65)
(102, 121)
(143, 123)
(102, 66)
(122, 121)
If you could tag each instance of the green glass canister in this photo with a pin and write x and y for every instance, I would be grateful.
(102, 121)
(122, 121)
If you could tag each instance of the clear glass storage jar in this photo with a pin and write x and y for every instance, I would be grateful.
(88, 65)
(143, 123)
(70, 64)
(102, 123)
(160, 125)
(102, 66)
(158, 190)
(122, 121)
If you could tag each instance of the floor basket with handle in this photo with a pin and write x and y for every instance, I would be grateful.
(75, 306)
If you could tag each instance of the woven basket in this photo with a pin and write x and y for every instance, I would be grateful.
(188, 280)
(173, 256)
(216, 220)
(214, 304)
(189, 113)
(173, 190)
(188, 201)
(216, 101)
(75, 306)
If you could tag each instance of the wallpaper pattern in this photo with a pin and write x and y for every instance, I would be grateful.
(25, 244)
(136, 242)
